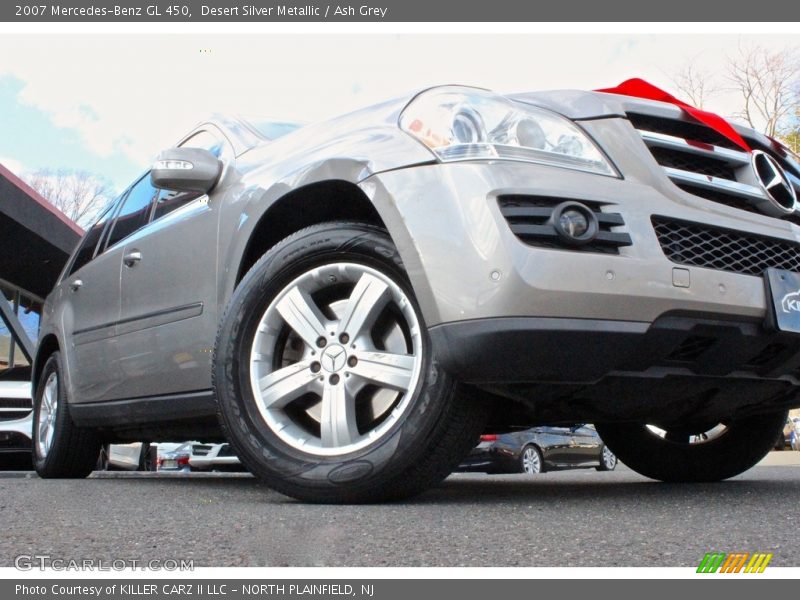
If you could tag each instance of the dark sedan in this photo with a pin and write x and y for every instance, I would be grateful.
(540, 449)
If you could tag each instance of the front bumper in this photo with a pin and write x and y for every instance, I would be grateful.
(465, 263)
(16, 434)
(527, 349)
(499, 309)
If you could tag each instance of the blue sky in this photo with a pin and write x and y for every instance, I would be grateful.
(30, 138)
(108, 104)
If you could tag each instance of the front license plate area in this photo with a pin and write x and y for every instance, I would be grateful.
(783, 299)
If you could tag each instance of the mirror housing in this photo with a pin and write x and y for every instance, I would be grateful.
(186, 170)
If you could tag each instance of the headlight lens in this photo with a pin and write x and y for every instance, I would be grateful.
(468, 124)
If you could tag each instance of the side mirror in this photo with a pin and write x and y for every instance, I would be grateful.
(186, 170)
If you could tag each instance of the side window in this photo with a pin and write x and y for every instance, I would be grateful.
(135, 211)
(169, 200)
(27, 310)
(207, 141)
(89, 243)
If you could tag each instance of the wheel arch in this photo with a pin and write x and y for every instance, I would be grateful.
(312, 204)
(46, 347)
(337, 199)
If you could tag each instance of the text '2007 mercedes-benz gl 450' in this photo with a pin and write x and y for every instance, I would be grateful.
(352, 303)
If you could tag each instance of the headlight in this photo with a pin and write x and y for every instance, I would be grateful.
(467, 124)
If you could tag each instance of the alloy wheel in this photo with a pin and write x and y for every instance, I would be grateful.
(609, 459)
(336, 358)
(531, 463)
(46, 422)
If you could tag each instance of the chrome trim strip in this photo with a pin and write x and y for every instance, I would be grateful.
(668, 141)
(715, 183)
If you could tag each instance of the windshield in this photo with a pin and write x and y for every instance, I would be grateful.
(272, 129)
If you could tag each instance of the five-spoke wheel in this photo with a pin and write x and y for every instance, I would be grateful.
(327, 382)
(335, 357)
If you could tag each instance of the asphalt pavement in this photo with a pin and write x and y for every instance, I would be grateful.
(572, 518)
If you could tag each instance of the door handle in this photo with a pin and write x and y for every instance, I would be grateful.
(76, 285)
(131, 258)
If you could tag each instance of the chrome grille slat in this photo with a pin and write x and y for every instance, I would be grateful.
(715, 183)
(734, 157)
(721, 170)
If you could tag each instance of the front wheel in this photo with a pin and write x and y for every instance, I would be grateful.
(701, 452)
(325, 377)
(61, 449)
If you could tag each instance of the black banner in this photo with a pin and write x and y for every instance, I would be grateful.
(441, 11)
(375, 589)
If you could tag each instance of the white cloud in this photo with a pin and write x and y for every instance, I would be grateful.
(12, 165)
(139, 93)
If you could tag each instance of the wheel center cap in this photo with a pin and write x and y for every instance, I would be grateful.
(333, 358)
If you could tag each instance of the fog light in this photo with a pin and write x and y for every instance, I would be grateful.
(575, 223)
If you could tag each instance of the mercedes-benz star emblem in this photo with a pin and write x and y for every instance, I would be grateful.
(774, 181)
(333, 358)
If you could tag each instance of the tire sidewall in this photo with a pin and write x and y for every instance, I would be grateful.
(259, 448)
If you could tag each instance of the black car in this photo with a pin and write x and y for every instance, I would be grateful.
(540, 449)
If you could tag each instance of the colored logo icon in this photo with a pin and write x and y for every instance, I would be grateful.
(735, 562)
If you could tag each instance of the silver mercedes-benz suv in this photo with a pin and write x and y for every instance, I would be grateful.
(351, 304)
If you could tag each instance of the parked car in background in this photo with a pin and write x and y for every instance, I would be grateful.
(214, 457)
(540, 449)
(176, 458)
(15, 425)
(791, 433)
(136, 456)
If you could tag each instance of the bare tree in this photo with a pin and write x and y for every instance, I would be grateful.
(768, 82)
(78, 194)
(695, 84)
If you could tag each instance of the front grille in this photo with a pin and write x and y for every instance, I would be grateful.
(681, 129)
(13, 415)
(675, 159)
(528, 217)
(16, 403)
(723, 249)
(704, 163)
(201, 449)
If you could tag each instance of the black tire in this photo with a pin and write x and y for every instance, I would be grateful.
(734, 451)
(606, 464)
(74, 450)
(530, 448)
(439, 427)
(147, 458)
